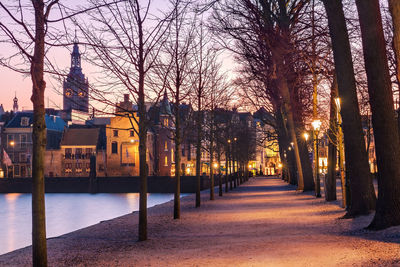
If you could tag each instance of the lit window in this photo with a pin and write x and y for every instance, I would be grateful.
(166, 146)
(166, 122)
(172, 156)
(166, 161)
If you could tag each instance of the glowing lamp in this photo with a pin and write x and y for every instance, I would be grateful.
(337, 102)
(316, 125)
(306, 136)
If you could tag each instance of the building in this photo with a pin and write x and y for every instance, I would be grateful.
(17, 137)
(76, 86)
(77, 146)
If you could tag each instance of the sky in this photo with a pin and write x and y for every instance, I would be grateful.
(14, 83)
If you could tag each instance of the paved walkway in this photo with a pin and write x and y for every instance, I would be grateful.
(261, 223)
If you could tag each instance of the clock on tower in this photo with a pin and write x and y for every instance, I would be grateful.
(76, 86)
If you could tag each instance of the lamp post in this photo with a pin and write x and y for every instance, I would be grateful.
(12, 143)
(316, 125)
(343, 179)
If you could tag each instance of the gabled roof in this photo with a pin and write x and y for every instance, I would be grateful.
(54, 123)
(81, 137)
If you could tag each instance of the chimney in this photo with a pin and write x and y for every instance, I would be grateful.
(126, 98)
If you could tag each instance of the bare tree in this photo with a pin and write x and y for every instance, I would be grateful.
(362, 198)
(386, 131)
(125, 40)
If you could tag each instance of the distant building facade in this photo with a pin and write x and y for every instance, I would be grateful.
(17, 137)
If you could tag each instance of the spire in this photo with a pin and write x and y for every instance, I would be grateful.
(75, 56)
(165, 108)
(15, 105)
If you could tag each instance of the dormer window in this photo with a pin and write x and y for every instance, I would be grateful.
(24, 121)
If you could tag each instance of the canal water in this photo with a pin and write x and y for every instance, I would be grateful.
(64, 213)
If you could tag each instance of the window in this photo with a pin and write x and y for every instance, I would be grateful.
(165, 122)
(23, 140)
(166, 146)
(132, 133)
(88, 152)
(10, 141)
(172, 156)
(24, 121)
(68, 153)
(166, 161)
(115, 133)
(78, 153)
(114, 147)
(68, 167)
(78, 167)
(22, 157)
(183, 150)
(16, 170)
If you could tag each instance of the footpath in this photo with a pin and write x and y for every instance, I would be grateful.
(264, 222)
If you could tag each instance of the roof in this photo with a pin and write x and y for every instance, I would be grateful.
(53, 123)
(81, 137)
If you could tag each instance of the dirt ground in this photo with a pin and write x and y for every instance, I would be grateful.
(264, 222)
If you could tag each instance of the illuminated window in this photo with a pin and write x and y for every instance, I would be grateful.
(166, 122)
(172, 156)
(166, 146)
(166, 161)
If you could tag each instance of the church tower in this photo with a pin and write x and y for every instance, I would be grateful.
(76, 86)
(15, 105)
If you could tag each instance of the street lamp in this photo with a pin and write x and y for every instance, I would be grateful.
(306, 136)
(341, 154)
(316, 125)
(12, 143)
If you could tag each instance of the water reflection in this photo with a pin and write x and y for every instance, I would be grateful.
(64, 213)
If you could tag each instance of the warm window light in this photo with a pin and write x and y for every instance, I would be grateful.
(316, 125)
(337, 101)
(215, 165)
(187, 170)
(306, 136)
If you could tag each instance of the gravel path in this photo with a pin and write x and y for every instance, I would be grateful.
(261, 223)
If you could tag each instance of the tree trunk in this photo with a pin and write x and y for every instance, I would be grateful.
(39, 246)
(177, 139)
(219, 169)
(211, 163)
(330, 181)
(284, 90)
(198, 155)
(357, 168)
(386, 133)
(143, 169)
